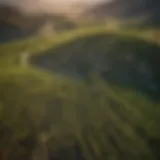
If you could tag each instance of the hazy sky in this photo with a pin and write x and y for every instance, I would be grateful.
(47, 5)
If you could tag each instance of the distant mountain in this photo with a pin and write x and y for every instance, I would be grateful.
(126, 9)
(15, 24)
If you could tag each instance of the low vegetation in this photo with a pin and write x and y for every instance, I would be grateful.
(45, 116)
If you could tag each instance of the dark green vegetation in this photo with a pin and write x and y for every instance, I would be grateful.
(121, 59)
(96, 117)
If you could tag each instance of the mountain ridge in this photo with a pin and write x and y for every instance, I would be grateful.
(14, 22)
(123, 9)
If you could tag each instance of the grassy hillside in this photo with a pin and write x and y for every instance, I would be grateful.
(68, 112)
(39, 44)
(48, 113)
(128, 58)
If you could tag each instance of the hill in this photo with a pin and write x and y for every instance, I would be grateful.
(73, 54)
(69, 117)
(121, 59)
(143, 10)
(49, 112)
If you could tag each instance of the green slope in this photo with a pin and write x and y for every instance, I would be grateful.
(70, 112)
(121, 57)
(70, 117)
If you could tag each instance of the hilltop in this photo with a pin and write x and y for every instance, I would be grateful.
(99, 49)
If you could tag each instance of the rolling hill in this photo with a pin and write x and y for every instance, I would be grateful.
(81, 95)
(120, 59)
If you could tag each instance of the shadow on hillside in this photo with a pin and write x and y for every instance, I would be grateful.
(121, 60)
(10, 33)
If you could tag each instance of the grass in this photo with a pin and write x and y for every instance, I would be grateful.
(93, 113)
(75, 110)
(118, 57)
(42, 43)
(144, 43)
